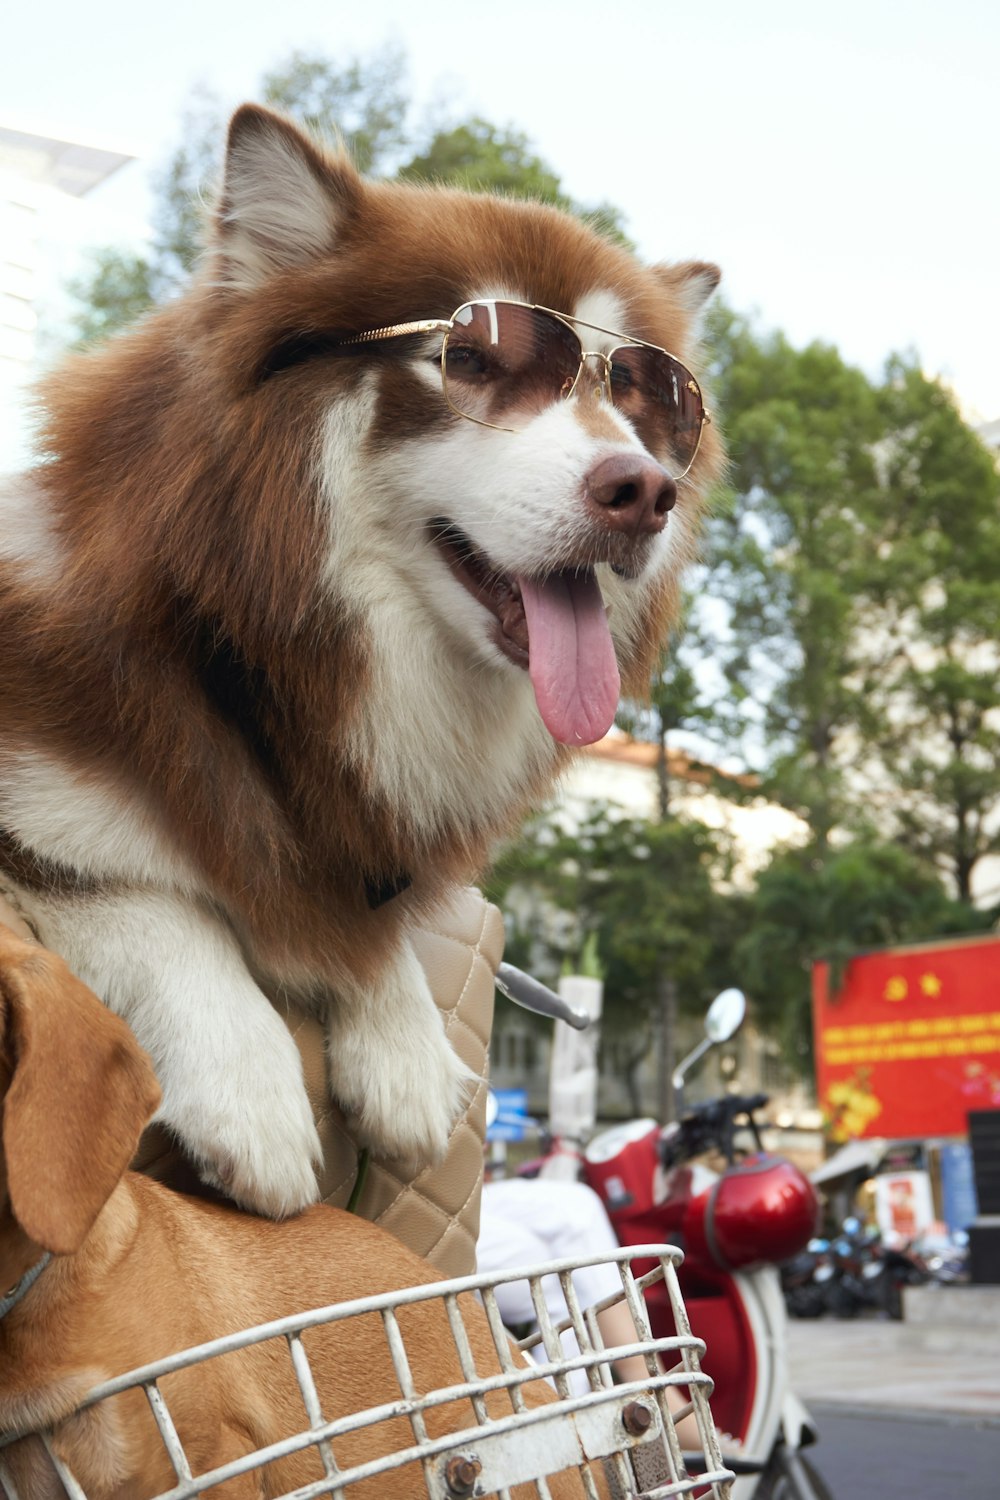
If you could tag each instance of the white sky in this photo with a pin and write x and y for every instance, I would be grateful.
(841, 162)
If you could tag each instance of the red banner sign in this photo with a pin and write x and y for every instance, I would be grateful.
(911, 1041)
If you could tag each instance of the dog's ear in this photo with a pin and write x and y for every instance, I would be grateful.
(282, 202)
(81, 1090)
(692, 283)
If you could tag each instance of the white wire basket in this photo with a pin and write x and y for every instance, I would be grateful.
(616, 1440)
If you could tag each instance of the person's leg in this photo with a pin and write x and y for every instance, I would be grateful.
(617, 1329)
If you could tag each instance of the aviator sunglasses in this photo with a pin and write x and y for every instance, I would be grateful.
(502, 362)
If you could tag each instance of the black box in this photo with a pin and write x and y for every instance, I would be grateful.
(984, 1138)
(984, 1251)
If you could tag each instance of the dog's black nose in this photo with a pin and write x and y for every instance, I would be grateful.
(630, 492)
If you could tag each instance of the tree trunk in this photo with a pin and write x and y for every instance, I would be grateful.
(631, 1076)
(666, 1008)
(666, 988)
(663, 774)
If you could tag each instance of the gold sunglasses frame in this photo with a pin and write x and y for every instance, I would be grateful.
(446, 326)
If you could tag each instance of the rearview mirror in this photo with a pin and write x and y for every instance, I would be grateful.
(725, 1015)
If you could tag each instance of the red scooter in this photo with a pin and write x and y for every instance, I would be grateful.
(734, 1226)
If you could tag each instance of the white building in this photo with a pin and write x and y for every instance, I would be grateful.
(622, 772)
(46, 221)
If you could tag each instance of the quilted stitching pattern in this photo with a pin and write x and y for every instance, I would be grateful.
(437, 1212)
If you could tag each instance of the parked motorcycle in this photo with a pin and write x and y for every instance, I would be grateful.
(945, 1258)
(804, 1278)
(860, 1273)
(735, 1226)
(858, 1277)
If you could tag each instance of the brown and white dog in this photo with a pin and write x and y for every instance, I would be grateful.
(289, 642)
(139, 1272)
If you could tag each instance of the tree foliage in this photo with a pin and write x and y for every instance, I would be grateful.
(483, 157)
(117, 286)
(363, 105)
(853, 611)
(646, 894)
(932, 682)
(114, 288)
(789, 553)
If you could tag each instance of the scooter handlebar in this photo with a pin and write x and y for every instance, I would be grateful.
(711, 1124)
(728, 1105)
(745, 1104)
(530, 994)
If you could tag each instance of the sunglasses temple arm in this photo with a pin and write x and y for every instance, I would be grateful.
(400, 330)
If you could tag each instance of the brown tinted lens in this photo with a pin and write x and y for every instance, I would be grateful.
(503, 363)
(662, 398)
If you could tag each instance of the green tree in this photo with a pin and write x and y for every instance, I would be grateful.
(483, 157)
(117, 286)
(679, 703)
(791, 552)
(184, 185)
(114, 288)
(934, 673)
(857, 553)
(363, 104)
(688, 704)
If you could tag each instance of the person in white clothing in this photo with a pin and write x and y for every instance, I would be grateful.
(525, 1220)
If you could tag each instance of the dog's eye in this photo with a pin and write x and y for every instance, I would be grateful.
(621, 378)
(297, 349)
(464, 362)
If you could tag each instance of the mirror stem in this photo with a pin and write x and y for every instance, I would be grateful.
(682, 1067)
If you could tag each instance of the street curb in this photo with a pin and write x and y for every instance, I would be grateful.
(946, 1418)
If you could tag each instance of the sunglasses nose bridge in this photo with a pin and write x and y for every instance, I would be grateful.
(602, 374)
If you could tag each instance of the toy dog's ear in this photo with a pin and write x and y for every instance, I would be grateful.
(80, 1091)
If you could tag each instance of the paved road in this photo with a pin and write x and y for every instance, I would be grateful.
(898, 1456)
(906, 1411)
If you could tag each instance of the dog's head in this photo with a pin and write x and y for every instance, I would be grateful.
(279, 477)
(76, 1090)
(509, 513)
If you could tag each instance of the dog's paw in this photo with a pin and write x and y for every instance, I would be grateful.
(394, 1071)
(413, 1099)
(245, 1118)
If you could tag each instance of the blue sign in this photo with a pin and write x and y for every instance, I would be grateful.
(512, 1115)
(958, 1186)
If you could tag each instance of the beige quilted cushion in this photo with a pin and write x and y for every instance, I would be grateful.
(437, 1212)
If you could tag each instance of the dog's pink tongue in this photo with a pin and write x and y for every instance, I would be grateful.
(571, 657)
